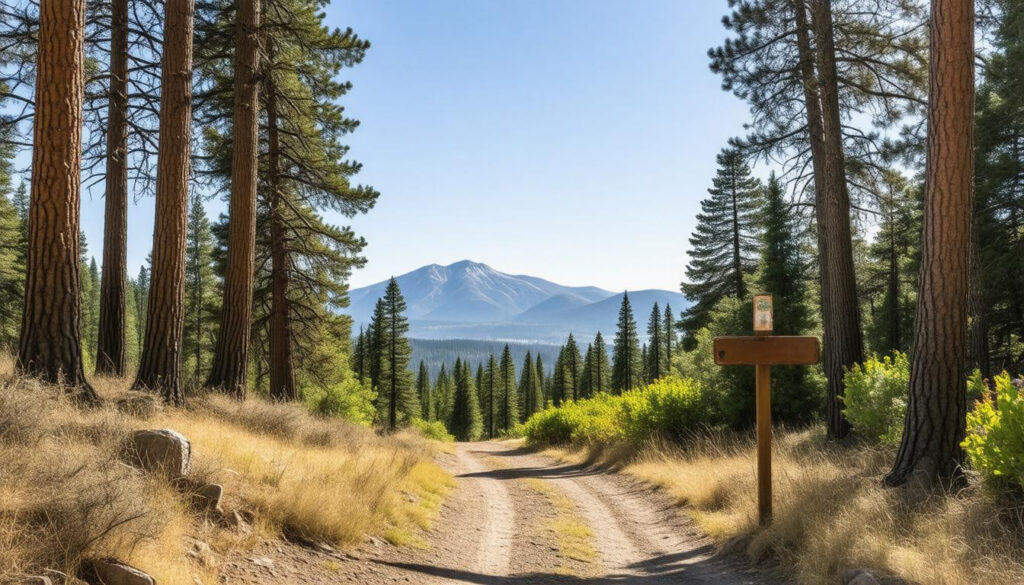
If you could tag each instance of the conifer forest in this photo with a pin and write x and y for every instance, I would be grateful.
(244, 406)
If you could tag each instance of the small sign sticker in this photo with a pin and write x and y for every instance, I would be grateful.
(763, 313)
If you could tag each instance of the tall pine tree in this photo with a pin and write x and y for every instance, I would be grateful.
(723, 253)
(508, 408)
(657, 366)
(466, 423)
(398, 403)
(627, 364)
(424, 392)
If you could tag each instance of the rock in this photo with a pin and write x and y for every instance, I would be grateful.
(162, 450)
(114, 572)
(205, 497)
(141, 404)
(238, 521)
(859, 577)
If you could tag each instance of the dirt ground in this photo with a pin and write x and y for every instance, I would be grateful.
(520, 518)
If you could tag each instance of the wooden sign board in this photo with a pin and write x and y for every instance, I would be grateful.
(778, 350)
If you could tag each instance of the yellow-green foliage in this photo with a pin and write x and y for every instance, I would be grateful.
(995, 432)
(876, 397)
(433, 430)
(668, 409)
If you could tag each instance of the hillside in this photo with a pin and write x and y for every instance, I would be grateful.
(471, 300)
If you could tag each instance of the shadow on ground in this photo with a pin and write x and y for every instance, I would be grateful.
(664, 569)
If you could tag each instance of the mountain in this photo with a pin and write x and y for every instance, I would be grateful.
(472, 301)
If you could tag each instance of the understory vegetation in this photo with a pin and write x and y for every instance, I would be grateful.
(831, 509)
(65, 495)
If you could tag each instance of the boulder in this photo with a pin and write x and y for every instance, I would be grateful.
(161, 450)
(114, 572)
(859, 577)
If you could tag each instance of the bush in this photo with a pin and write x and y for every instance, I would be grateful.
(349, 400)
(876, 398)
(669, 408)
(995, 432)
(433, 430)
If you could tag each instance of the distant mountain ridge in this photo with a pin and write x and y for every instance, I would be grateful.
(471, 300)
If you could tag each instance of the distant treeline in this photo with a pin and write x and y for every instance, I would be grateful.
(434, 352)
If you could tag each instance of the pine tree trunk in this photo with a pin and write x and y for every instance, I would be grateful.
(50, 347)
(844, 345)
(110, 345)
(282, 375)
(231, 356)
(930, 449)
(160, 365)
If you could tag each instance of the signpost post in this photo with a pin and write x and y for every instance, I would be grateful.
(763, 351)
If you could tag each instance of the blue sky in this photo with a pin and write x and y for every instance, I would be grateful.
(567, 139)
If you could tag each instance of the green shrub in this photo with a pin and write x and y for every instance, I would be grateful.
(876, 398)
(995, 432)
(348, 399)
(669, 408)
(433, 430)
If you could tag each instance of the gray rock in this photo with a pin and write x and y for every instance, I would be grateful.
(113, 572)
(161, 450)
(208, 497)
(859, 577)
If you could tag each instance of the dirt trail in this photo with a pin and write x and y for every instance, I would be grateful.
(519, 518)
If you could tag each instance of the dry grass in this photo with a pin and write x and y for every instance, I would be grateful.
(65, 496)
(832, 513)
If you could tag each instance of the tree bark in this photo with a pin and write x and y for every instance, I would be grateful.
(840, 310)
(160, 367)
(51, 347)
(930, 449)
(282, 373)
(110, 352)
(231, 355)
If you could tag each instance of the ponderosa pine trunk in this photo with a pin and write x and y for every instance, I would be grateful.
(843, 340)
(110, 349)
(160, 367)
(930, 450)
(231, 354)
(51, 345)
(282, 373)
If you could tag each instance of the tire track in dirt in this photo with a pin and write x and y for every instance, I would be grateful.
(639, 533)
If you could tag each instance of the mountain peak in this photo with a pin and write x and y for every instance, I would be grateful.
(471, 300)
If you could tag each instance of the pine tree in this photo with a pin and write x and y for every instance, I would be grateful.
(599, 370)
(508, 407)
(573, 364)
(141, 292)
(668, 329)
(424, 392)
(466, 423)
(161, 361)
(201, 296)
(398, 401)
(444, 395)
(50, 346)
(358, 358)
(585, 372)
(530, 389)
(930, 449)
(91, 308)
(784, 275)
(627, 367)
(723, 246)
(559, 391)
(490, 396)
(12, 272)
(656, 363)
(645, 377)
(542, 383)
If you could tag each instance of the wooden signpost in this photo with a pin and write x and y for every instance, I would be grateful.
(763, 351)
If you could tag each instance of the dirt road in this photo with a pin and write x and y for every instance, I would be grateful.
(519, 518)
